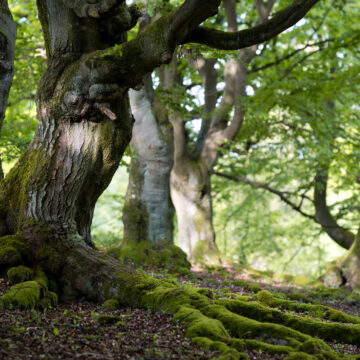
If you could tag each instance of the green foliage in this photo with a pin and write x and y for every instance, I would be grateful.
(20, 122)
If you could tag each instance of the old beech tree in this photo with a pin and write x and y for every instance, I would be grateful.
(47, 199)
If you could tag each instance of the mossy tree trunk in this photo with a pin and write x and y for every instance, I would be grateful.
(190, 178)
(7, 47)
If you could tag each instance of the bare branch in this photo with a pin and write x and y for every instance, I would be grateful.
(280, 194)
(290, 55)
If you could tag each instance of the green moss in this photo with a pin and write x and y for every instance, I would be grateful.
(210, 322)
(310, 347)
(18, 330)
(200, 325)
(207, 292)
(251, 286)
(219, 345)
(29, 294)
(244, 327)
(14, 251)
(203, 342)
(49, 300)
(111, 304)
(232, 354)
(134, 287)
(25, 295)
(321, 311)
(327, 331)
(171, 257)
(243, 345)
(19, 274)
(300, 356)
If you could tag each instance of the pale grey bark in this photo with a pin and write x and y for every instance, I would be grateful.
(148, 210)
(191, 195)
(190, 178)
(7, 47)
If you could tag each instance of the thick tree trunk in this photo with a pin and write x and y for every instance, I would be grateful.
(76, 148)
(85, 123)
(148, 211)
(191, 195)
(7, 47)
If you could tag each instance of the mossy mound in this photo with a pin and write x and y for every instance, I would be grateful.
(29, 294)
(169, 257)
(14, 249)
(111, 304)
(19, 274)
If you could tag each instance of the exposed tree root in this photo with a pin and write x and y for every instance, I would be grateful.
(231, 326)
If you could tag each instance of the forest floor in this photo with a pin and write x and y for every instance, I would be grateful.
(75, 331)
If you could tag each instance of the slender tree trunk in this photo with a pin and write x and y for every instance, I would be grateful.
(148, 211)
(7, 47)
(337, 233)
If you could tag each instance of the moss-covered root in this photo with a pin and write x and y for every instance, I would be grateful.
(347, 333)
(319, 311)
(167, 256)
(30, 290)
(217, 324)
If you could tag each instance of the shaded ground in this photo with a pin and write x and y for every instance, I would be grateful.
(75, 332)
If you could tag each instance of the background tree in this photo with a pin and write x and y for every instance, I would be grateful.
(148, 211)
(7, 48)
(190, 178)
(282, 152)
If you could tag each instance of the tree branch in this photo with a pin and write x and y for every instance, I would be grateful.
(280, 194)
(340, 235)
(290, 55)
(258, 34)
(207, 70)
